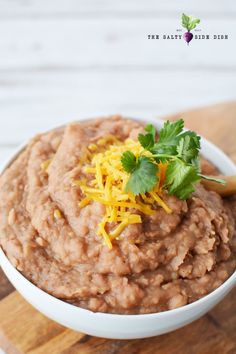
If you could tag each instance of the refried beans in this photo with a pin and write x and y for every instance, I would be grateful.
(166, 261)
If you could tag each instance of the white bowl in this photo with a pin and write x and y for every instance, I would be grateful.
(122, 326)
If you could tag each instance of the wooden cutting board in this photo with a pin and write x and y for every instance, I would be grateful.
(25, 330)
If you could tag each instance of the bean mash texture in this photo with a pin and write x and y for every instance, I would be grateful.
(166, 261)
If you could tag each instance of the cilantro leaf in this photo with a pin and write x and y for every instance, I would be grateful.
(144, 177)
(128, 161)
(195, 139)
(147, 141)
(151, 130)
(188, 146)
(196, 163)
(180, 178)
(166, 146)
(170, 132)
(162, 152)
(173, 141)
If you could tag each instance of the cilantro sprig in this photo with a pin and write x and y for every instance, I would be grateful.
(143, 173)
(178, 148)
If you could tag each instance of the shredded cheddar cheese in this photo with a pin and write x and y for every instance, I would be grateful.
(57, 214)
(45, 164)
(106, 184)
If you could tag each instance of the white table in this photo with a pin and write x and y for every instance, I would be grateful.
(62, 59)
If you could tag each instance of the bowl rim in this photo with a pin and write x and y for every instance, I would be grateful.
(191, 306)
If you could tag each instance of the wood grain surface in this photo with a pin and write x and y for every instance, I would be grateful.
(24, 330)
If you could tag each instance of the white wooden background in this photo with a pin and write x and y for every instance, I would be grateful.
(63, 59)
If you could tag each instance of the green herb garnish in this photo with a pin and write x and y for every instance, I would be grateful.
(176, 147)
(144, 173)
